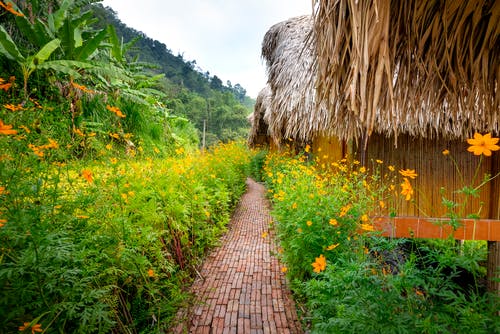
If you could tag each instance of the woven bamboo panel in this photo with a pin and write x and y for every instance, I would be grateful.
(438, 176)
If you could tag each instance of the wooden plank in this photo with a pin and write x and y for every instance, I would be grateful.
(436, 228)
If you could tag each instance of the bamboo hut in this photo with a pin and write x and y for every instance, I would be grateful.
(259, 135)
(293, 116)
(399, 82)
(405, 80)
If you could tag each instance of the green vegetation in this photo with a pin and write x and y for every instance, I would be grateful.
(190, 92)
(350, 279)
(106, 202)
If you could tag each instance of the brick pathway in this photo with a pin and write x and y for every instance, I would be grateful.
(243, 289)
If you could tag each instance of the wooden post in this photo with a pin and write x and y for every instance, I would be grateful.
(493, 273)
(493, 266)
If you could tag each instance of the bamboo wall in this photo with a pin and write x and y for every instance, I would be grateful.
(330, 149)
(437, 174)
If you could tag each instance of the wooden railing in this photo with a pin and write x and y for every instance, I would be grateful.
(438, 228)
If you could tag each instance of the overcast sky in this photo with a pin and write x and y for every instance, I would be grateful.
(223, 36)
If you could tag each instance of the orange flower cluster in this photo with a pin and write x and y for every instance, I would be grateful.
(6, 129)
(8, 7)
(6, 85)
(82, 88)
(40, 150)
(116, 111)
(34, 328)
(13, 107)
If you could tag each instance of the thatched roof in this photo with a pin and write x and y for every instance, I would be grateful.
(259, 130)
(429, 68)
(289, 57)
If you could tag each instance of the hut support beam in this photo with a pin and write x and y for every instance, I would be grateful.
(494, 266)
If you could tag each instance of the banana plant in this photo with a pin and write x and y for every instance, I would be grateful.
(28, 64)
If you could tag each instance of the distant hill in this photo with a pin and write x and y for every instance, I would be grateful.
(177, 70)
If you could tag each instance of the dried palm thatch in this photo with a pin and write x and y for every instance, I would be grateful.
(259, 130)
(289, 58)
(428, 68)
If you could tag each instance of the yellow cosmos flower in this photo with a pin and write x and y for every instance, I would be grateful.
(366, 227)
(319, 264)
(284, 269)
(87, 175)
(364, 218)
(344, 210)
(406, 189)
(34, 329)
(483, 144)
(332, 247)
(116, 111)
(408, 173)
(446, 152)
(333, 222)
(309, 223)
(6, 129)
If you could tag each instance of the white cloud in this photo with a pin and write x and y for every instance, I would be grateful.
(224, 37)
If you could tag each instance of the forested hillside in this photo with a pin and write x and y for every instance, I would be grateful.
(192, 93)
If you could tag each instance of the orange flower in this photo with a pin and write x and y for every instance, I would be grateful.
(366, 227)
(364, 218)
(344, 210)
(483, 144)
(13, 107)
(406, 189)
(87, 175)
(6, 129)
(319, 264)
(284, 269)
(34, 328)
(78, 132)
(446, 152)
(8, 7)
(332, 247)
(408, 173)
(151, 273)
(5, 86)
(333, 222)
(116, 111)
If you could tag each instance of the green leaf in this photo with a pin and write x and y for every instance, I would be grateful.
(36, 33)
(116, 50)
(8, 48)
(77, 37)
(45, 52)
(91, 45)
(60, 15)
(66, 66)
